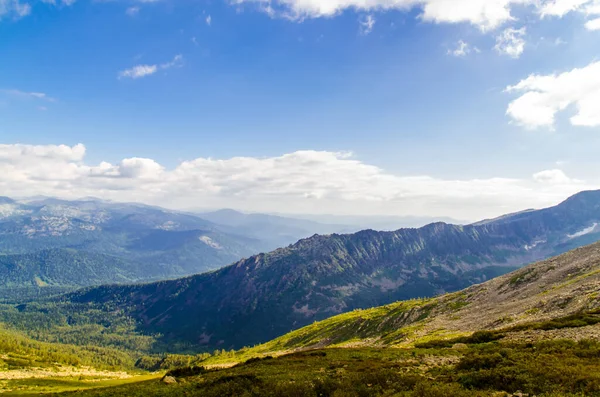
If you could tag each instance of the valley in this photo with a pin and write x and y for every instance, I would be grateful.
(49, 245)
(533, 331)
(268, 295)
(352, 308)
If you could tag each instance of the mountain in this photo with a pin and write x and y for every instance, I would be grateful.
(53, 242)
(545, 300)
(354, 223)
(279, 230)
(532, 332)
(267, 295)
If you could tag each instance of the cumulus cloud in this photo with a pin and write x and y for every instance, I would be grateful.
(593, 24)
(561, 8)
(511, 42)
(486, 14)
(139, 71)
(303, 181)
(545, 96)
(555, 177)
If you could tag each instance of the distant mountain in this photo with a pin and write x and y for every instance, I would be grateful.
(268, 295)
(354, 223)
(279, 231)
(53, 242)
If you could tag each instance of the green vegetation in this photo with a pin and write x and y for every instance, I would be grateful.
(20, 352)
(50, 385)
(553, 368)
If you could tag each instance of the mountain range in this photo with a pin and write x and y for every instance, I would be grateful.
(517, 306)
(49, 242)
(534, 331)
(267, 295)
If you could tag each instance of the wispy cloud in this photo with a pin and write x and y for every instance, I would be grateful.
(366, 24)
(14, 9)
(28, 95)
(140, 71)
(208, 20)
(132, 11)
(462, 49)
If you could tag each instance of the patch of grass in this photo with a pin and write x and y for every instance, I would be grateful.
(549, 369)
(18, 387)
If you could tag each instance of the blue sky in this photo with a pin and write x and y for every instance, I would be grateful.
(258, 80)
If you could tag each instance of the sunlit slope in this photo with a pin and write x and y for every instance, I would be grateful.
(554, 288)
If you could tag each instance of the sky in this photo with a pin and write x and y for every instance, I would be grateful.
(461, 108)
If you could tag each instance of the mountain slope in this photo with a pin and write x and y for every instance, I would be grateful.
(532, 332)
(114, 238)
(270, 294)
(68, 268)
(551, 289)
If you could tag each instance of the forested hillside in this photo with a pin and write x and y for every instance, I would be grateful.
(268, 295)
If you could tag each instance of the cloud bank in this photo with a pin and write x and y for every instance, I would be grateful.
(299, 182)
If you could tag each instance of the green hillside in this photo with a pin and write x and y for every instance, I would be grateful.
(268, 295)
(535, 330)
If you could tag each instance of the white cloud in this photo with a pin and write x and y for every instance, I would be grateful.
(175, 63)
(208, 20)
(14, 9)
(511, 42)
(561, 8)
(303, 181)
(366, 24)
(554, 177)
(462, 49)
(486, 14)
(25, 96)
(593, 24)
(139, 71)
(545, 96)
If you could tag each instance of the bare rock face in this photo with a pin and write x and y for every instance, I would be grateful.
(169, 380)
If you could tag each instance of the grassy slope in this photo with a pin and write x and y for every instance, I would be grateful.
(20, 352)
(557, 368)
(549, 296)
(28, 366)
(563, 285)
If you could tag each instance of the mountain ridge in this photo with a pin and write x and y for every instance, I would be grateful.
(325, 275)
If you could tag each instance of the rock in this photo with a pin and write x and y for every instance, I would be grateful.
(460, 346)
(169, 380)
